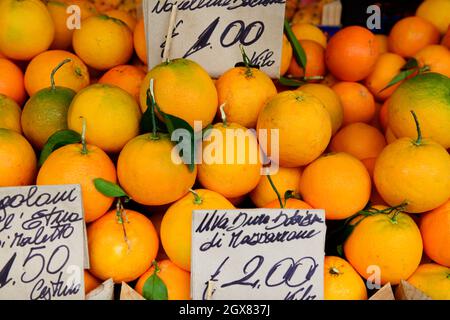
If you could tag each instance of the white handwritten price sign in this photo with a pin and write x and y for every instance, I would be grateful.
(210, 32)
(42, 244)
(262, 254)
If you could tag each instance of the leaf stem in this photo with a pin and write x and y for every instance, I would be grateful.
(52, 74)
(276, 191)
(197, 198)
(151, 97)
(83, 137)
(419, 132)
(223, 115)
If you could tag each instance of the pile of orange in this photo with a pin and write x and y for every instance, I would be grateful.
(376, 156)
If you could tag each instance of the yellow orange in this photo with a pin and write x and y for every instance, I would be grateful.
(176, 231)
(112, 116)
(285, 179)
(121, 250)
(149, 174)
(73, 75)
(244, 92)
(341, 281)
(433, 280)
(330, 100)
(183, 89)
(17, 160)
(71, 165)
(338, 183)
(26, 28)
(10, 114)
(177, 280)
(103, 42)
(303, 124)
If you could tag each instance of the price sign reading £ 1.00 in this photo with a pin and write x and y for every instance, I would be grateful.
(210, 32)
(42, 243)
(262, 254)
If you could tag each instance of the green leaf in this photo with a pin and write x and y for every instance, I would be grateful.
(410, 64)
(291, 82)
(155, 288)
(147, 125)
(299, 53)
(340, 250)
(398, 78)
(109, 188)
(173, 123)
(56, 141)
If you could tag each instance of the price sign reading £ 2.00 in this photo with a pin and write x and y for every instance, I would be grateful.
(42, 243)
(263, 254)
(210, 32)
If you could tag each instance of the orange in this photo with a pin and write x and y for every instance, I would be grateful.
(112, 116)
(330, 100)
(103, 42)
(104, 5)
(285, 179)
(10, 114)
(17, 160)
(303, 124)
(11, 81)
(390, 136)
(139, 41)
(70, 165)
(433, 280)
(177, 281)
(286, 55)
(382, 42)
(127, 77)
(360, 140)
(383, 115)
(357, 102)
(46, 113)
(435, 226)
(149, 172)
(369, 163)
(124, 16)
(341, 281)
(231, 163)
(390, 241)
(73, 75)
(351, 53)
(306, 31)
(90, 282)
(26, 28)
(436, 57)
(427, 95)
(121, 250)
(176, 231)
(411, 34)
(415, 172)
(446, 39)
(87, 8)
(436, 12)
(329, 80)
(291, 203)
(237, 201)
(315, 57)
(386, 68)
(63, 35)
(183, 89)
(338, 183)
(244, 91)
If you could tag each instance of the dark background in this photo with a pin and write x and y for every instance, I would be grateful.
(354, 12)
